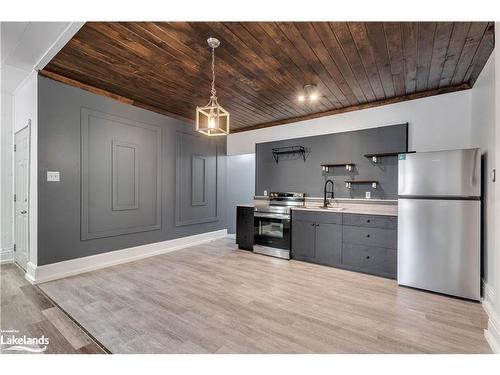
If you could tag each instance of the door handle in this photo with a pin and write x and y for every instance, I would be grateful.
(23, 212)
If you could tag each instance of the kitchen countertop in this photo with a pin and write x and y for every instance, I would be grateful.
(349, 208)
(364, 209)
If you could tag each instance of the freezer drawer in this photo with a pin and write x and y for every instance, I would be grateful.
(455, 173)
(439, 246)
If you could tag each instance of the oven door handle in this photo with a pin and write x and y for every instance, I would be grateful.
(271, 215)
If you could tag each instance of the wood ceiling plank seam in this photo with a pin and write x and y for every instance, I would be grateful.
(320, 53)
(483, 52)
(111, 88)
(283, 43)
(299, 44)
(125, 77)
(101, 92)
(234, 93)
(119, 61)
(476, 33)
(457, 42)
(410, 56)
(440, 48)
(152, 101)
(395, 52)
(270, 91)
(360, 38)
(426, 33)
(261, 71)
(331, 66)
(417, 95)
(378, 44)
(343, 35)
(292, 72)
(337, 55)
(295, 86)
(263, 106)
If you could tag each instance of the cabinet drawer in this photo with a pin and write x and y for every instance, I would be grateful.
(371, 259)
(317, 217)
(373, 221)
(370, 236)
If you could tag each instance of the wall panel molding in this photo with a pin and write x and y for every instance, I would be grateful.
(120, 152)
(198, 180)
(122, 213)
(189, 208)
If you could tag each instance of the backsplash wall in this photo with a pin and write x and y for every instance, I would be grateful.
(292, 173)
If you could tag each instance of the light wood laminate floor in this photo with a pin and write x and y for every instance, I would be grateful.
(213, 298)
(25, 309)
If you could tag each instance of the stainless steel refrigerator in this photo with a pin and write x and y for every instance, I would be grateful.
(439, 221)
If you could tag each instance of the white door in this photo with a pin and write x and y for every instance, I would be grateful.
(21, 197)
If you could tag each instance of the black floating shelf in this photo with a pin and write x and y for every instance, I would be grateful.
(375, 156)
(300, 150)
(348, 166)
(374, 183)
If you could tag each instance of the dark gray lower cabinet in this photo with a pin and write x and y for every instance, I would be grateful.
(328, 244)
(317, 242)
(303, 240)
(244, 227)
(365, 243)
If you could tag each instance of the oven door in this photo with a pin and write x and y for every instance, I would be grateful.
(271, 229)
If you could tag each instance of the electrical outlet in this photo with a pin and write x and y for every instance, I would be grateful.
(53, 176)
(368, 194)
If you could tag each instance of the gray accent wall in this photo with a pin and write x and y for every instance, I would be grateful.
(292, 173)
(122, 170)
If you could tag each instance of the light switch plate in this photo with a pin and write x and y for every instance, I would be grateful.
(368, 194)
(53, 176)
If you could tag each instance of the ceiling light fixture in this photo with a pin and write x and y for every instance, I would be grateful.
(212, 119)
(310, 94)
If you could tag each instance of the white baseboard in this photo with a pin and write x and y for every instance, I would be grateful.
(492, 334)
(7, 255)
(40, 274)
(231, 235)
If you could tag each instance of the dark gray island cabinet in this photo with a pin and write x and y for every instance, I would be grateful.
(357, 242)
(244, 227)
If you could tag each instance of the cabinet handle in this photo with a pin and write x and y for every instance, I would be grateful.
(367, 257)
(312, 224)
(317, 225)
(368, 236)
(367, 220)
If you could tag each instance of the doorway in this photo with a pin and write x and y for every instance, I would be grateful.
(21, 196)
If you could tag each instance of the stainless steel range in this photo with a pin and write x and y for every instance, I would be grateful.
(272, 224)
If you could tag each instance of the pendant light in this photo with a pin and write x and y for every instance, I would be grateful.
(212, 119)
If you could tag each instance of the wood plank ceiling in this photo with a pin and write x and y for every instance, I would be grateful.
(261, 67)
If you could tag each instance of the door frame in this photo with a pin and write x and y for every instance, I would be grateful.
(28, 245)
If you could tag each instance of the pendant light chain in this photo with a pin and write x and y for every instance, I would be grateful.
(213, 74)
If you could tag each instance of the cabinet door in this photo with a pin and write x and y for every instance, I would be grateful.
(244, 227)
(303, 240)
(328, 244)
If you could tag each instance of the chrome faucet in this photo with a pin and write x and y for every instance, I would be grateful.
(325, 201)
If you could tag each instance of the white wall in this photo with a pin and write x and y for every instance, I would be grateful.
(26, 110)
(435, 123)
(6, 244)
(241, 185)
(483, 136)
